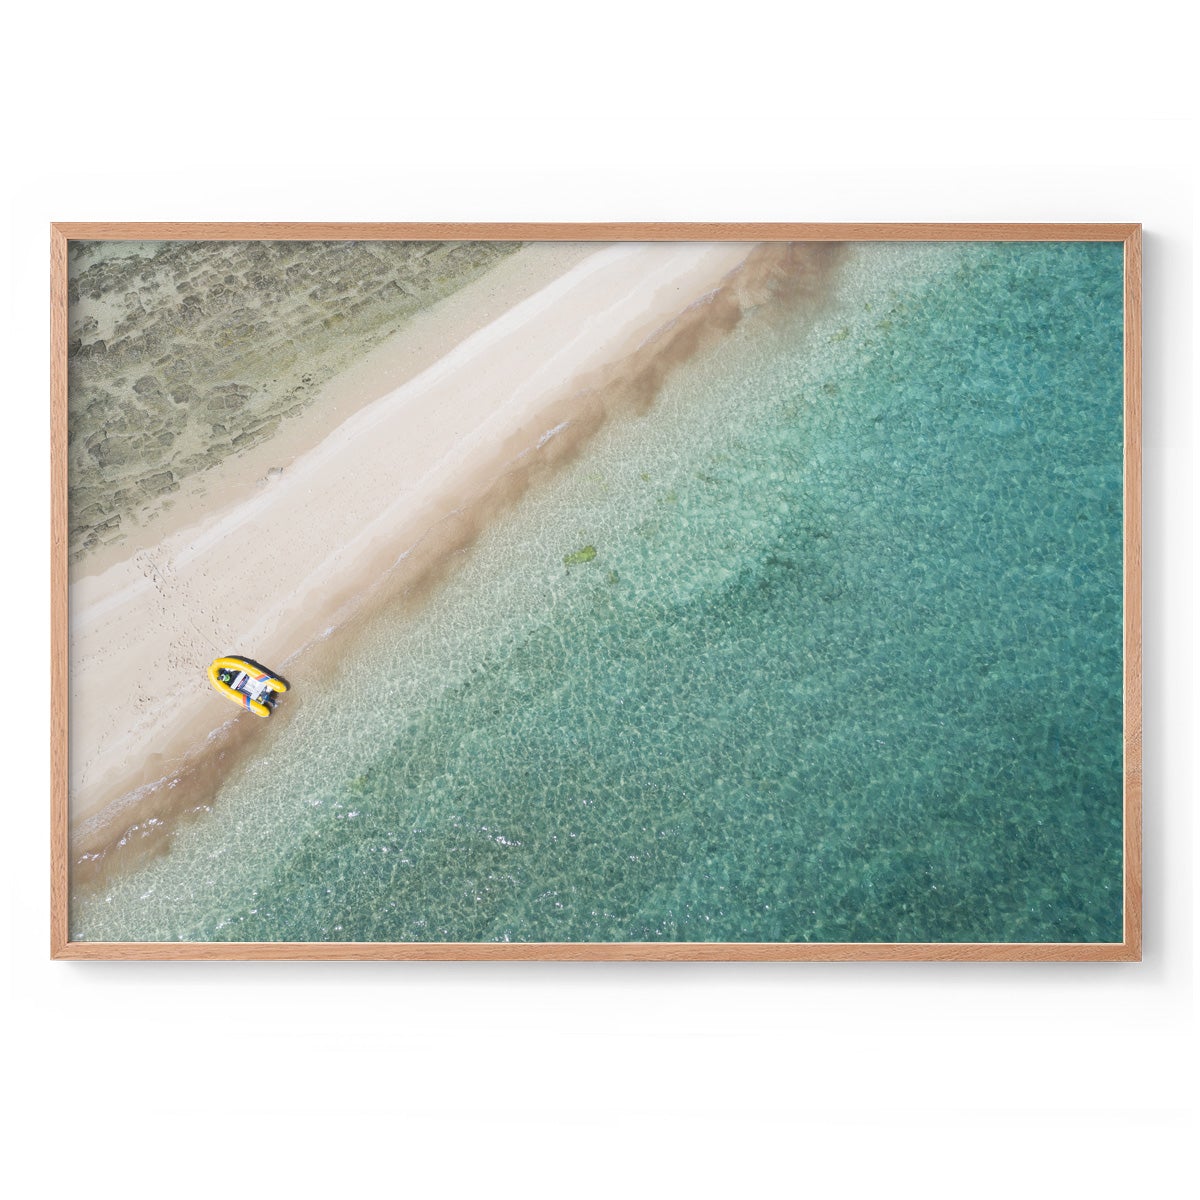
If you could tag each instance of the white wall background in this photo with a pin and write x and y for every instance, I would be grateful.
(446, 1079)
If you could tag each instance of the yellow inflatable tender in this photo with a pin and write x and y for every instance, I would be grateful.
(247, 684)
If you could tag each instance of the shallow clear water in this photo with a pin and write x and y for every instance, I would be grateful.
(845, 664)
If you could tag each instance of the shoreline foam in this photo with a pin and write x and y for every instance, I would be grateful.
(552, 358)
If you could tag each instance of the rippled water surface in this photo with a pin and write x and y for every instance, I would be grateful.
(825, 647)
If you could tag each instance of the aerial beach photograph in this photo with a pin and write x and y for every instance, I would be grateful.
(739, 591)
(609, 581)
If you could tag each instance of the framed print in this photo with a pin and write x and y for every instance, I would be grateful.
(747, 592)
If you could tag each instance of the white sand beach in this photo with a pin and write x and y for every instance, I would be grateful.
(287, 543)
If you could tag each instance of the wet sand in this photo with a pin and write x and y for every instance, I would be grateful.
(396, 486)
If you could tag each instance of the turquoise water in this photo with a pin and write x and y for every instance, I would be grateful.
(845, 665)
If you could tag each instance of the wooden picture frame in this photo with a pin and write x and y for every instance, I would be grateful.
(1128, 948)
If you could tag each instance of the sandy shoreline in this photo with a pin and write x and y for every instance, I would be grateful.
(272, 568)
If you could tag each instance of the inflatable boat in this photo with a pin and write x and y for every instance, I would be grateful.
(247, 684)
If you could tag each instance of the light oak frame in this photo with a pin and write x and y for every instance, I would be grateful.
(1129, 949)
